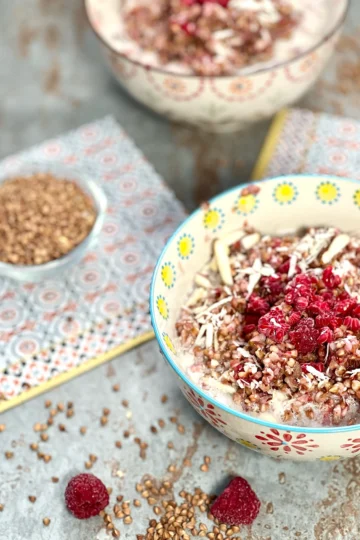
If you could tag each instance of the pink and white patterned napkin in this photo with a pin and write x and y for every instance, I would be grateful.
(52, 327)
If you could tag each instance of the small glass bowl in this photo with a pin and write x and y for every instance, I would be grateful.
(57, 267)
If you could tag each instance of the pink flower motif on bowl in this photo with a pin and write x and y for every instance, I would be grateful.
(303, 69)
(176, 87)
(205, 409)
(241, 86)
(353, 446)
(242, 89)
(288, 442)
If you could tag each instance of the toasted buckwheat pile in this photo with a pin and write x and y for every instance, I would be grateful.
(210, 37)
(274, 323)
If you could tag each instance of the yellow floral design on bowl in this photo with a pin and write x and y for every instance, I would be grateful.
(248, 444)
(214, 219)
(285, 193)
(162, 306)
(330, 458)
(327, 193)
(168, 274)
(185, 246)
(356, 198)
(246, 204)
(169, 343)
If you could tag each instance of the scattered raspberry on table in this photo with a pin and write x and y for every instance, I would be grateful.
(86, 496)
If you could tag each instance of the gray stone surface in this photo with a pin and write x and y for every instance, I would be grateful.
(52, 79)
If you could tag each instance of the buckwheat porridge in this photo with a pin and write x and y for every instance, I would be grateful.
(220, 37)
(272, 326)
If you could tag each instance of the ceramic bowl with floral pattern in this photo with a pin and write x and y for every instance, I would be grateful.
(223, 103)
(283, 204)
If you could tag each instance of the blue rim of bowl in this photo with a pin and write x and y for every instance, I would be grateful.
(175, 367)
(324, 39)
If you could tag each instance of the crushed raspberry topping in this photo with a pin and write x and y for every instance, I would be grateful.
(288, 325)
(237, 504)
(305, 336)
(330, 279)
(86, 496)
(273, 324)
(326, 335)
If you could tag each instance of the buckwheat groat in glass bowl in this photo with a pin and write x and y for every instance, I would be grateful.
(216, 64)
(49, 218)
(258, 313)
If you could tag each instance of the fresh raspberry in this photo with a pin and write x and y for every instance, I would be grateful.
(318, 306)
(327, 319)
(189, 28)
(285, 267)
(257, 305)
(326, 335)
(301, 303)
(294, 318)
(251, 318)
(330, 279)
(274, 286)
(237, 505)
(300, 287)
(273, 325)
(345, 306)
(86, 496)
(328, 297)
(304, 336)
(248, 328)
(352, 323)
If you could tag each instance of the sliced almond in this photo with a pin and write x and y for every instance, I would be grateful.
(250, 241)
(253, 281)
(200, 335)
(216, 342)
(223, 262)
(227, 389)
(292, 265)
(337, 246)
(209, 335)
(209, 309)
(202, 281)
(213, 265)
(197, 295)
(231, 238)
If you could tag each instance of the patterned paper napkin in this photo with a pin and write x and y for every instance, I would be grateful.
(302, 141)
(52, 331)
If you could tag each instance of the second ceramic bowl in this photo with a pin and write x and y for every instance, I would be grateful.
(225, 103)
(289, 202)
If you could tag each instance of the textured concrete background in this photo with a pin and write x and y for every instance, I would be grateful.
(52, 79)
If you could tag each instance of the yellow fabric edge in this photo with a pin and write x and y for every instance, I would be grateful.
(65, 377)
(269, 146)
